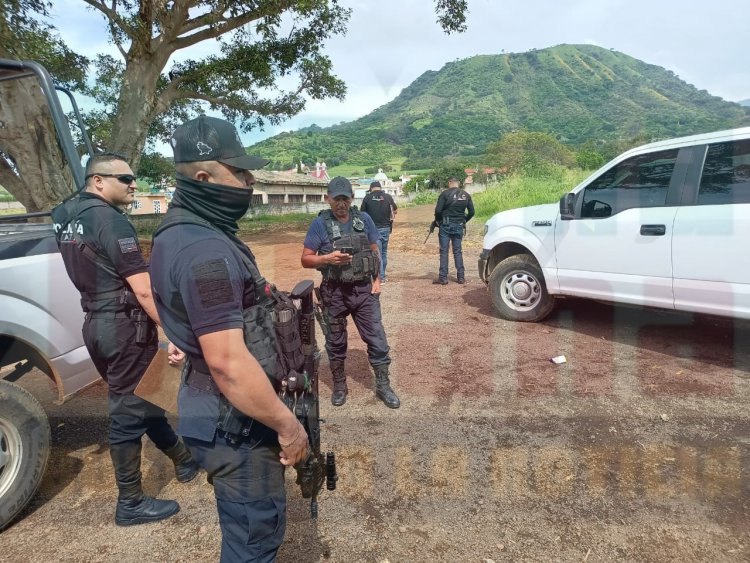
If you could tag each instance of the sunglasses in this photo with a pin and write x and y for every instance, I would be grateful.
(126, 179)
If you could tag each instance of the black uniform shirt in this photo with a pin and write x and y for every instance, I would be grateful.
(201, 286)
(379, 205)
(454, 204)
(105, 229)
(200, 283)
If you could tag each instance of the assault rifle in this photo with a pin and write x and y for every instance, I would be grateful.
(432, 230)
(300, 393)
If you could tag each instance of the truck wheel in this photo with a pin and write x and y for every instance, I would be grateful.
(24, 449)
(518, 290)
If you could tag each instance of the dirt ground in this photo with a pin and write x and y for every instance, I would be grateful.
(636, 449)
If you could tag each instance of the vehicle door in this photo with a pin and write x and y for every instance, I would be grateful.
(618, 246)
(711, 233)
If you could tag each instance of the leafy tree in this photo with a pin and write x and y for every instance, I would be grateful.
(32, 167)
(527, 151)
(589, 159)
(154, 166)
(439, 176)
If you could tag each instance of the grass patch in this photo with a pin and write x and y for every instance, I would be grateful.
(426, 197)
(521, 191)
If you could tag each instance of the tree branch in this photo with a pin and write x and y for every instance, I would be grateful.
(114, 18)
(222, 25)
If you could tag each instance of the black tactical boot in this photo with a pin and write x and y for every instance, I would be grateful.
(133, 507)
(340, 389)
(185, 468)
(383, 389)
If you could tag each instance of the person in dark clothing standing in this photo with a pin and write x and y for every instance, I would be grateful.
(382, 209)
(100, 249)
(205, 279)
(342, 244)
(453, 210)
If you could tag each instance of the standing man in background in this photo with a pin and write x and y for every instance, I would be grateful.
(100, 249)
(453, 210)
(342, 243)
(382, 209)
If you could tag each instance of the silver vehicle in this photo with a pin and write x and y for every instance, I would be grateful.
(40, 313)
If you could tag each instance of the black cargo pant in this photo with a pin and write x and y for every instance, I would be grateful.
(248, 481)
(357, 300)
(110, 340)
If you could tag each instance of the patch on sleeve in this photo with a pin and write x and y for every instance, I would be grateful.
(128, 245)
(214, 285)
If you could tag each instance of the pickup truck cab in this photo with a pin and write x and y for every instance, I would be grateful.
(662, 225)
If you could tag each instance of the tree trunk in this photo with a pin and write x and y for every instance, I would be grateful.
(32, 166)
(136, 107)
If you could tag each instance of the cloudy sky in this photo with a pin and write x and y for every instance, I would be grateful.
(390, 43)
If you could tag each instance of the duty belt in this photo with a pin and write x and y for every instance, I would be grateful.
(108, 315)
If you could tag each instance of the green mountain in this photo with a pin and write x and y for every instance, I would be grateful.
(578, 93)
(744, 102)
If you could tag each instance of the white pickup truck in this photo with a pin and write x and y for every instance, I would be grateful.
(662, 225)
(40, 312)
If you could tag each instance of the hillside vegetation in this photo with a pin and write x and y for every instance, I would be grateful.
(577, 93)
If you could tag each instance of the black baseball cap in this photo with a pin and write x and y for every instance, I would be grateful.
(375, 184)
(340, 186)
(210, 138)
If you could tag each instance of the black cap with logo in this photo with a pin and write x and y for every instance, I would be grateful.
(209, 138)
(339, 186)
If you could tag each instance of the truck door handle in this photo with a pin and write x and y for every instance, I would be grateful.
(653, 230)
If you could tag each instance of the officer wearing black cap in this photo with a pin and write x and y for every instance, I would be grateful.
(453, 210)
(100, 249)
(381, 207)
(204, 278)
(342, 243)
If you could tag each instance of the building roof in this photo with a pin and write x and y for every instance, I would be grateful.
(290, 178)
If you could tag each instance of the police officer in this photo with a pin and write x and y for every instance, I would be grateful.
(204, 278)
(382, 209)
(100, 249)
(342, 243)
(453, 210)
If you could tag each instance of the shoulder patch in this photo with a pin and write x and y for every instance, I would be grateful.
(214, 285)
(128, 245)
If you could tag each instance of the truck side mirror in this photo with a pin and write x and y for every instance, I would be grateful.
(568, 207)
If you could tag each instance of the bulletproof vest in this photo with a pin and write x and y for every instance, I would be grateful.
(67, 230)
(364, 264)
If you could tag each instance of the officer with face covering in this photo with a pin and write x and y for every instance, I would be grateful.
(342, 244)
(204, 279)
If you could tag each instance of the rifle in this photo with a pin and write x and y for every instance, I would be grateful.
(320, 313)
(300, 393)
(432, 230)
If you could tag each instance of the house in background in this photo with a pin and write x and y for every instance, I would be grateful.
(274, 187)
(150, 203)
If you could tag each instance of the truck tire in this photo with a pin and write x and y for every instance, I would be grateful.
(24, 449)
(518, 290)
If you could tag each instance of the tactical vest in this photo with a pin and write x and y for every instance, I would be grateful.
(65, 217)
(271, 332)
(365, 264)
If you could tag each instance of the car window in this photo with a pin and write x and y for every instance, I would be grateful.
(726, 174)
(640, 181)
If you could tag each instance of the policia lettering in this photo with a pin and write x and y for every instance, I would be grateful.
(281, 337)
(365, 263)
